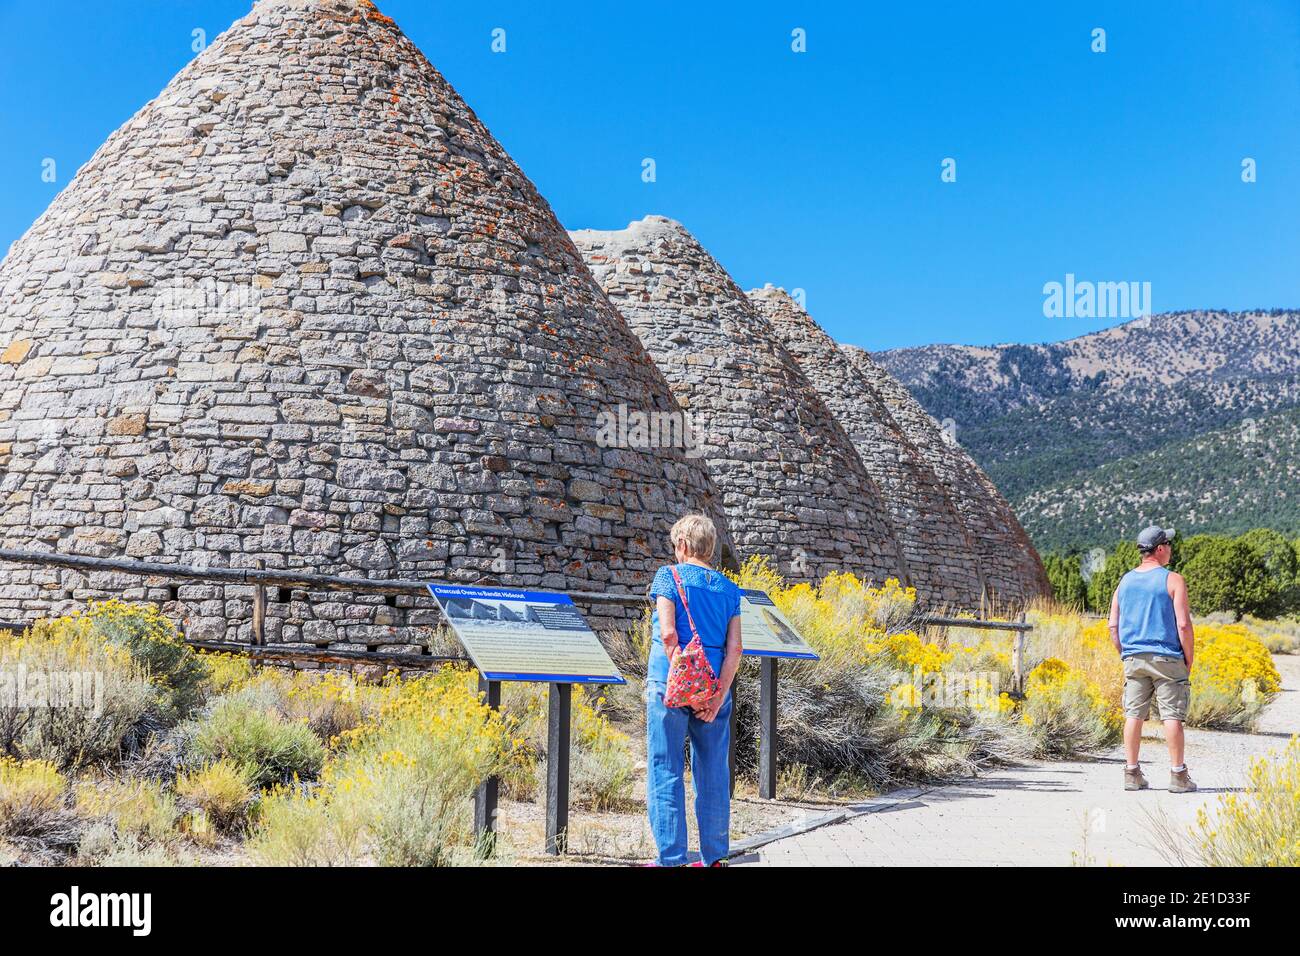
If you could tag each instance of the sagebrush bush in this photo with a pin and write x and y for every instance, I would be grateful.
(154, 643)
(1260, 827)
(1278, 642)
(602, 767)
(103, 844)
(91, 700)
(883, 706)
(239, 728)
(329, 703)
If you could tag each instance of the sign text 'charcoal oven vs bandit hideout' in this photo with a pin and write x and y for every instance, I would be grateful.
(525, 635)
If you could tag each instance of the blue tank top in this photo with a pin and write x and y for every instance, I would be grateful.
(1146, 615)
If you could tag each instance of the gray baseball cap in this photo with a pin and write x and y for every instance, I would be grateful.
(1153, 537)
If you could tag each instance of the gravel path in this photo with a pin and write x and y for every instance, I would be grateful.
(1046, 813)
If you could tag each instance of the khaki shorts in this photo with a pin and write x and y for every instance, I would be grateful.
(1164, 677)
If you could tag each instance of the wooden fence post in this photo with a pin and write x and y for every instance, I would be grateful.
(1018, 658)
(259, 609)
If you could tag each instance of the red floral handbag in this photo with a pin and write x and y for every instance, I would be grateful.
(691, 681)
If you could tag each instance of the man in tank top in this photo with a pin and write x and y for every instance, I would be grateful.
(1151, 627)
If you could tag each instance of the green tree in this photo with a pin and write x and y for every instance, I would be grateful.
(1224, 574)
(1101, 586)
(1278, 557)
(1066, 578)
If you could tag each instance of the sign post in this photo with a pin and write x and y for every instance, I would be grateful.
(558, 724)
(536, 636)
(769, 635)
(768, 741)
(485, 798)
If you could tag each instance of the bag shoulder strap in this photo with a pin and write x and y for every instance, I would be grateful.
(681, 592)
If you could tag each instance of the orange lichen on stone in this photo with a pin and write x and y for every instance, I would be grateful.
(16, 352)
(126, 425)
(255, 489)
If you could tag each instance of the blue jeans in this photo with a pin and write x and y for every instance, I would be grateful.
(666, 731)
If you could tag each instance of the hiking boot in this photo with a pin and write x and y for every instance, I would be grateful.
(1180, 781)
(1134, 780)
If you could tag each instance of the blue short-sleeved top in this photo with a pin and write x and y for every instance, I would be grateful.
(715, 600)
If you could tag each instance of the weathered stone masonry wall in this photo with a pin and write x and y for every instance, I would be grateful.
(793, 486)
(940, 561)
(303, 309)
(1011, 568)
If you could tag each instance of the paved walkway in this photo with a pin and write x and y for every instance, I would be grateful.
(1044, 814)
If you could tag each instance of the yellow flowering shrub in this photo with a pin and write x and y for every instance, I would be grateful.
(1066, 713)
(30, 792)
(838, 614)
(905, 697)
(908, 651)
(1260, 827)
(221, 794)
(1233, 677)
(135, 808)
(154, 643)
(1280, 635)
(398, 789)
(308, 829)
(886, 703)
(1084, 645)
(226, 672)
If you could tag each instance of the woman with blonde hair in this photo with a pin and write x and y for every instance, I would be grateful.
(691, 598)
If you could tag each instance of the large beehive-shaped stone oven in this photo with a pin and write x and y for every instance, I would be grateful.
(303, 308)
(941, 562)
(1011, 568)
(792, 485)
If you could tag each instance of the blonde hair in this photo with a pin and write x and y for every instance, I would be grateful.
(697, 533)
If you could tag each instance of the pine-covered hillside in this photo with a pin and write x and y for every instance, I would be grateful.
(1185, 418)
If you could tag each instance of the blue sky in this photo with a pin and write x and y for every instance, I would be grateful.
(818, 170)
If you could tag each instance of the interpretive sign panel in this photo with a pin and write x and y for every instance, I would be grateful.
(766, 632)
(525, 635)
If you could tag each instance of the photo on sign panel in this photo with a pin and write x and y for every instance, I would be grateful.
(766, 632)
(525, 635)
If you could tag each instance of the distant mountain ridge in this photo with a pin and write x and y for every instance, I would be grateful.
(1041, 419)
(1229, 480)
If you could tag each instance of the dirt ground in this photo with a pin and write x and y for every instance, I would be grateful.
(622, 838)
